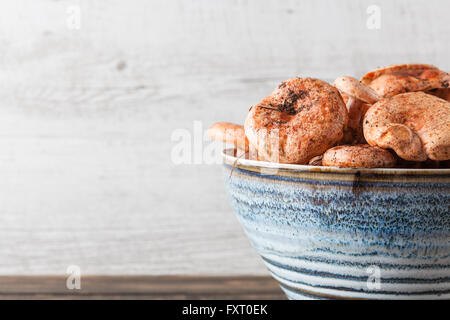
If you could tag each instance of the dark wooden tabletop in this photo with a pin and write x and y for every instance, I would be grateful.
(141, 287)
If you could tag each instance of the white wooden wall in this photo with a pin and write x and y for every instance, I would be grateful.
(86, 117)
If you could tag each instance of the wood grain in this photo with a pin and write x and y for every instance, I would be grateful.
(141, 287)
(87, 116)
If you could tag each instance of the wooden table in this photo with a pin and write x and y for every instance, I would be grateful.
(141, 287)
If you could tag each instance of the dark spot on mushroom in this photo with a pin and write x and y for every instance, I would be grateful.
(282, 85)
(289, 104)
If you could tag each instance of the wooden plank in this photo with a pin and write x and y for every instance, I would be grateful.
(141, 287)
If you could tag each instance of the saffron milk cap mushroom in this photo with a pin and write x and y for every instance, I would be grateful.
(301, 119)
(396, 79)
(355, 94)
(415, 125)
(358, 156)
(229, 133)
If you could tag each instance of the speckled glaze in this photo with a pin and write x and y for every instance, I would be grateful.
(329, 233)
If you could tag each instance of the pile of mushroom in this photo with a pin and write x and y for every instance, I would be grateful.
(395, 116)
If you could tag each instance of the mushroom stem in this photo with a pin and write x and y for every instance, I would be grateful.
(354, 88)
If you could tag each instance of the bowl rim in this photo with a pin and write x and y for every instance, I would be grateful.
(230, 159)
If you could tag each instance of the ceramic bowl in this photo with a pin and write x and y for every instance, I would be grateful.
(335, 233)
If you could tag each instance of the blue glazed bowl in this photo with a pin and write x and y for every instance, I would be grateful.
(334, 233)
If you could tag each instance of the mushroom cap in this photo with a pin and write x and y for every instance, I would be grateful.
(354, 88)
(403, 78)
(358, 156)
(396, 68)
(441, 93)
(229, 133)
(301, 119)
(415, 125)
